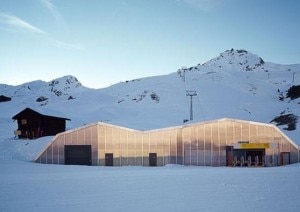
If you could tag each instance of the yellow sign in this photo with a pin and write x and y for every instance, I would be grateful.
(255, 146)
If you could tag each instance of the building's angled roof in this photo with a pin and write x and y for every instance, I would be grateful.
(42, 112)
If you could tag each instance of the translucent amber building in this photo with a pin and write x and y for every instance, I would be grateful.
(223, 142)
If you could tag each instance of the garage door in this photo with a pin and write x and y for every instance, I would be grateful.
(78, 155)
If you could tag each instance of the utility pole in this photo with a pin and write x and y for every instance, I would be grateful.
(191, 94)
(294, 77)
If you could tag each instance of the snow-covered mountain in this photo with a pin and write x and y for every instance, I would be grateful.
(64, 86)
(236, 84)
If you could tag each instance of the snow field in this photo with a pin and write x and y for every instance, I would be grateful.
(36, 187)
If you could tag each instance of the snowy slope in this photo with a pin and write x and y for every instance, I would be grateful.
(236, 84)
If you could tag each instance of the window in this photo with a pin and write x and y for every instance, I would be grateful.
(23, 121)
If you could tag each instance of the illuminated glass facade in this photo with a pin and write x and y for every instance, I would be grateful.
(224, 142)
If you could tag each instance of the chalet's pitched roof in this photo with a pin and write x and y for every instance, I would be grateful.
(4, 98)
(45, 113)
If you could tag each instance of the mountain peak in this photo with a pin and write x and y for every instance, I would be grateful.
(238, 59)
(231, 60)
(241, 54)
(62, 85)
(66, 80)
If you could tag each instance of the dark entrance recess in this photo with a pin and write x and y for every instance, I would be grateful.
(78, 155)
(245, 157)
(256, 156)
(109, 159)
(152, 159)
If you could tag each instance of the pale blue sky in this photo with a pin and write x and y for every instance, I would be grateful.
(105, 42)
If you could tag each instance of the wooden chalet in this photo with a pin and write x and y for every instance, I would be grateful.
(33, 124)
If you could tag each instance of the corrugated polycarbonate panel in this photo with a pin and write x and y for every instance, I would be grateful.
(208, 145)
(230, 133)
(159, 148)
(269, 133)
(186, 139)
(194, 146)
(294, 156)
(108, 140)
(74, 138)
(166, 148)
(201, 143)
(81, 137)
(261, 134)
(68, 138)
(153, 142)
(139, 149)
(253, 133)
(55, 153)
(237, 131)
(162, 147)
(101, 145)
(285, 146)
(146, 148)
(93, 136)
(88, 135)
(173, 147)
(223, 142)
(44, 157)
(61, 151)
(49, 155)
(123, 150)
(180, 153)
(116, 147)
(215, 144)
(245, 132)
(131, 149)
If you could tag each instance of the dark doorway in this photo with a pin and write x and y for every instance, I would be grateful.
(229, 155)
(152, 159)
(285, 158)
(109, 159)
(78, 155)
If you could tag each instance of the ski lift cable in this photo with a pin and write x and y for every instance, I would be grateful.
(201, 107)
